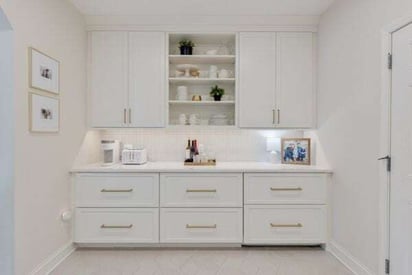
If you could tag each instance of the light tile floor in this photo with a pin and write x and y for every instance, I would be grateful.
(244, 261)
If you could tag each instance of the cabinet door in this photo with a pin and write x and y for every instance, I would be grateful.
(295, 80)
(257, 81)
(147, 96)
(108, 79)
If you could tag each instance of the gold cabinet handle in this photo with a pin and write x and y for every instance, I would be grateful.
(130, 115)
(124, 116)
(117, 190)
(273, 116)
(278, 116)
(192, 226)
(286, 189)
(201, 190)
(103, 226)
(297, 225)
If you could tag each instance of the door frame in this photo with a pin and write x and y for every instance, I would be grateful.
(385, 139)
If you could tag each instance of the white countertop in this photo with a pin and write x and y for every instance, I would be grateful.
(221, 167)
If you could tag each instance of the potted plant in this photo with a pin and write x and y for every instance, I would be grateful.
(186, 47)
(217, 93)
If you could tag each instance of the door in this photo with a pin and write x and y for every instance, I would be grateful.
(147, 96)
(295, 80)
(108, 79)
(401, 151)
(257, 80)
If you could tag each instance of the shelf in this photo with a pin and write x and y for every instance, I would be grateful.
(214, 103)
(200, 81)
(202, 59)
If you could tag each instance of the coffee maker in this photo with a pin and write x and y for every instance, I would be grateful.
(110, 152)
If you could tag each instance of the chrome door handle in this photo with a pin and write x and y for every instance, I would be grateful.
(124, 116)
(103, 226)
(117, 190)
(130, 115)
(297, 225)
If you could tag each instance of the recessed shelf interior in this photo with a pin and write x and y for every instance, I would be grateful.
(224, 45)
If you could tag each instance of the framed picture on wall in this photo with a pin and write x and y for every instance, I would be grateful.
(44, 72)
(296, 151)
(44, 114)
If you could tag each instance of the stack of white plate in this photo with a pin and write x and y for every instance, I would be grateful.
(218, 120)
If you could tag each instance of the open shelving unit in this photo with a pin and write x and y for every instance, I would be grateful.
(225, 58)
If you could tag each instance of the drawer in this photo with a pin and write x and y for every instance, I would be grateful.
(285, 188)
(285, 224)
(204, 225)
(116, 225)
(201, 190)
(117, 190)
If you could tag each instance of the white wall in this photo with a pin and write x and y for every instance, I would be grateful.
(6, 147)
(42, 161)
(349, 113)
(170, 144)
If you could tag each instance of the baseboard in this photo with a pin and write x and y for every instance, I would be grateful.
(48, 265)
(347, 259)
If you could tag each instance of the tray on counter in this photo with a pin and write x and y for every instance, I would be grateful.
(200, 164)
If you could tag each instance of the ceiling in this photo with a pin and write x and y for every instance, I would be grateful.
(202, 7)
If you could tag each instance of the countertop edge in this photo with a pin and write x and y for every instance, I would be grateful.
(179, 168)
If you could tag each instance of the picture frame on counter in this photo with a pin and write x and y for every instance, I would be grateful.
(296, 151)
(44, 114)
(44, 72)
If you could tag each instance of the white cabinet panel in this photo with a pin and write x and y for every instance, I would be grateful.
(277, 72)
(295, 80)
(257, 80)
(147, 96)
(127, 79)
(117, 190)
(292, 224)
(201, 190)
(108, 79)
(116, 225)
(202, 225)
(266, 188)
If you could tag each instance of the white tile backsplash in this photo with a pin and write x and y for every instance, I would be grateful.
(227, 144)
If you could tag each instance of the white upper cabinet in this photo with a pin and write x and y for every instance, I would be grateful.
(257, 65)
(295, 80)
(127, 74)
(276, 80)
(108, 79)
(147, 98)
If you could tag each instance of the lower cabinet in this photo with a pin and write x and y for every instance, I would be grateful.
(201, 208)
(293, 224)
(116, 225)
(203, 225)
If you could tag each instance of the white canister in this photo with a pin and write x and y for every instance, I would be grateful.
(182, 119)
(223, 73)
(182, 93)
(213, 71)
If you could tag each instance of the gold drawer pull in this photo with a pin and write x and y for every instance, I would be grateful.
(298, 225)
(201, 190)
(116, 226)
(117, 190)
(286, 189)
(191, 226)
